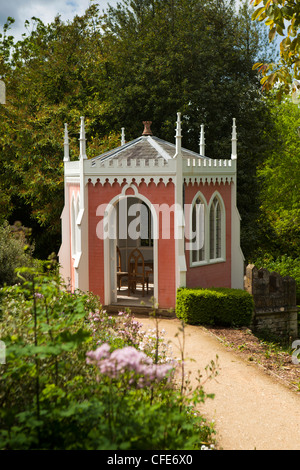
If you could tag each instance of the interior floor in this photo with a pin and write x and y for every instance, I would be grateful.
(137, 297)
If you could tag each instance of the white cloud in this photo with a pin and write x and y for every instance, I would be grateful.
(45, 10)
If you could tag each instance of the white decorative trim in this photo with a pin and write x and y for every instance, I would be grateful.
(71, 168)
(82, 140)
(79, 216)
(202, 141)
(205, 170)
(76, 262)
(209, 179)
(132, 166)
(194, 170)
(129, 186)
(66, 145)
(234, 141)
(129, 180)
(209, 163)
(178, 136)
(123, 141)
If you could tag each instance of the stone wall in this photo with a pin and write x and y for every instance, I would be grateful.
(275, 302)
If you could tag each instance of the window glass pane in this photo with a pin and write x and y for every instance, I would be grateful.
(198, 225)
(212, 231)
(215, 226)
(218, 231)
(146, 226)
(194, 256)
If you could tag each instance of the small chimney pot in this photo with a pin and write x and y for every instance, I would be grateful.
(147, 128)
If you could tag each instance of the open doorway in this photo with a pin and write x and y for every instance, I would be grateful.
(134, 261)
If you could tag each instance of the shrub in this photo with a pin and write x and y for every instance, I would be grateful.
(14, 252)
(215, 306)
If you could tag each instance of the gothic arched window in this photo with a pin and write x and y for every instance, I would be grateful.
(197, 237)
(216, 215)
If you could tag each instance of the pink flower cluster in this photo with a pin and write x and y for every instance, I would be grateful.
(143, 372)
(101, 325)
(129, 328)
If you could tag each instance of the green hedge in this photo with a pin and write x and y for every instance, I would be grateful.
(215, 306)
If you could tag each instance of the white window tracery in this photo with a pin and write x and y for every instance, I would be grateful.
(207, 236)
(216, 229)
(198, 230)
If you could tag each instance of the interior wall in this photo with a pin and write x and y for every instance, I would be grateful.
(126, 245)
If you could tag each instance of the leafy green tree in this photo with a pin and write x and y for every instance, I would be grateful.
(141, 60)
(15, 252)
(165, 58)
(280, 179)
(283, 19)
(161, 62)
(52, 76)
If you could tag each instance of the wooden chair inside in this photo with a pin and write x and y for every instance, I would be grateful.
(120, 274)
(136, 272)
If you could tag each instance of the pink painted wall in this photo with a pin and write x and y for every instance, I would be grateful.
(157, 194)
(98, 194)
(215, 274)
(164, 194)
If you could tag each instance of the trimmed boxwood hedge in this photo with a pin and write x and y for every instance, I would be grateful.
(215, 306)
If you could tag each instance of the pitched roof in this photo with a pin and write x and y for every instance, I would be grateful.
(146, 147)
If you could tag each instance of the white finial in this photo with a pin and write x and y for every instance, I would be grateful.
(66, 145)
(178, 133)
(82, 140)
(234, 141)
(123, 136)
(202, 141)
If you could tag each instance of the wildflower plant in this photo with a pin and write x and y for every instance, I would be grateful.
(147, 370)
(43, 328)
(78, 378)
(125, 330)
(138, 368)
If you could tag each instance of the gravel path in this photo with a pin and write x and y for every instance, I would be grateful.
(251, 410)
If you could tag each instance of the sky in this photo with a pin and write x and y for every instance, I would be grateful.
(45, 10)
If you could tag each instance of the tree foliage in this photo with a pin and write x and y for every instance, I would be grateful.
(139, 60)
(52, 76)
(15, 252)
(280, 182)
(283, 19)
